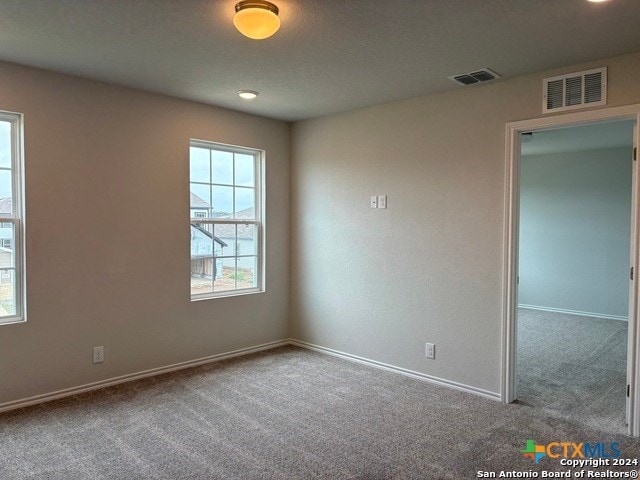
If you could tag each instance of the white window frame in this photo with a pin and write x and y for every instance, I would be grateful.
(258, 222)
(16, 218)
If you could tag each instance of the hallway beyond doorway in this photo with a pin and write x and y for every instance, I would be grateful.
(573, 367)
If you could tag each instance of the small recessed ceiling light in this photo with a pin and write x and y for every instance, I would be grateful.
(598, 1)
(247, 94)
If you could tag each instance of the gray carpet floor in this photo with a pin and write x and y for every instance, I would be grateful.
(573, 367)
(287, 413)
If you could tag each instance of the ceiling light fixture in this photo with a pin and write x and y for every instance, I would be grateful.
(598, 1)
(247, 94)
(257, 19)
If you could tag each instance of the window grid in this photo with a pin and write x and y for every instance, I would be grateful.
(12, 299)
(230, 257)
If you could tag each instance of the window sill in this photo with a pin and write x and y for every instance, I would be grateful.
(235, 293)
(12, 320)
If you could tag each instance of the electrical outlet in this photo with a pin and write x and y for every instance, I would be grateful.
(430, 351)
(382, 201)
(98, 354)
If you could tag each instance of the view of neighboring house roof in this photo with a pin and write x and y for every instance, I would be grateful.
(197, 202)
(199, 230)
(224, 231)
(247, 213)
(244, 231)
(5, 205)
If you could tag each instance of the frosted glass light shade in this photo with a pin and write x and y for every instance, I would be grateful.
(256, 19)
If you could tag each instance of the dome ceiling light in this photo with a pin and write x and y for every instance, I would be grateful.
(257, 19)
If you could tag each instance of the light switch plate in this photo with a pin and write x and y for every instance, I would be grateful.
(374, 201)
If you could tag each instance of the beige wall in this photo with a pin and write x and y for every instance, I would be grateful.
(107, 183)
(107, 260)
(381, 283)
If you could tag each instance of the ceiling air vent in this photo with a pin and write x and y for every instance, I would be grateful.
(575, 90)
(482, 75)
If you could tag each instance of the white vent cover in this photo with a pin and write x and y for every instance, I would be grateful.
(575, 90)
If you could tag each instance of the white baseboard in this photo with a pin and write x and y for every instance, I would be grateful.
(574, 312)
(67, 392)
(46, 397)
(402, 371)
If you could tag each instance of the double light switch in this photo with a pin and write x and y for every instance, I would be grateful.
(378, 201)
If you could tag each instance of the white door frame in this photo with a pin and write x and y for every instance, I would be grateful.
(510, 260)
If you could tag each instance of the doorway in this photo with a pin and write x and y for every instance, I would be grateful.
(573, 268)
(573, 309)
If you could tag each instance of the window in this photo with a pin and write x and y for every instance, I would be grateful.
(11, 219)
(225, 220)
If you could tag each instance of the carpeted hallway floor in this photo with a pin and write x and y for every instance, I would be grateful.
(573, 367)
(284, 414)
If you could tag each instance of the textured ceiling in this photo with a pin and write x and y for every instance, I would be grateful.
(584, 137)
(329, 55)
